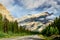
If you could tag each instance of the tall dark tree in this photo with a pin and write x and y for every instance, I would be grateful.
(5, 26)
(54, 28)
(0, 16)
(1, 22)
(16, 26)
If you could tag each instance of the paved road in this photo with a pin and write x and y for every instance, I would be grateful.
(32, 37)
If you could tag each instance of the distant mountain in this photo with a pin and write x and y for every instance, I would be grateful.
(35, 22)
(32, 22)
(5, 13)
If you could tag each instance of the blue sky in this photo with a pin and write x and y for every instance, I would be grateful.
(19, 8)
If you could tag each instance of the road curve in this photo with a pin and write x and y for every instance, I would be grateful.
(32, 37)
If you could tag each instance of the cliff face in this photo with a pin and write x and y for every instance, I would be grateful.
(35, 22)
(5, 13)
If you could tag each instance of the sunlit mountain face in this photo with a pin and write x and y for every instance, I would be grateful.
(19, 8)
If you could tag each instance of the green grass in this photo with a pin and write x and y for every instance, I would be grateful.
(10, 34)
(48, 37)
(44, 37)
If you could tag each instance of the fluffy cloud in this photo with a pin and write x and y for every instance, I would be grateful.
(41, 5)
(7, 3)
(18, 6)
(51, 17)
(30, 4)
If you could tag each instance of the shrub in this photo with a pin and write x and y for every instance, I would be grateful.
(50, 31)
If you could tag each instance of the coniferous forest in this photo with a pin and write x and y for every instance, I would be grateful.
(53, 28)
(8, 29)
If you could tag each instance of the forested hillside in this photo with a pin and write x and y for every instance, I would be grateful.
(53, 28)
(8, 29)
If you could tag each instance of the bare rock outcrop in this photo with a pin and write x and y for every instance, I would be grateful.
(35, 22)
(5, 13)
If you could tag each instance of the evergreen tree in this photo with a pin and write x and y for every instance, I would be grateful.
(54, 28)
(5, 26)
(10, 27)
(1, 22)
(16, 27)
(0, 17)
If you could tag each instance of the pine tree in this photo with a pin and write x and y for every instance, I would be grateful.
(54, 28)
(1, 22)
(0, 17)
(15, 27)
(10, 27)
(5, 26)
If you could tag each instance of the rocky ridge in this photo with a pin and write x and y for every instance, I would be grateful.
(5, 13)
(35, 22)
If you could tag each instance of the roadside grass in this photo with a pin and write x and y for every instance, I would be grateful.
(52, 37)
(11, 35)
(8, 35)
(44, 37)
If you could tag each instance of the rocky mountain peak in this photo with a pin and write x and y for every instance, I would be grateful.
(35, 22)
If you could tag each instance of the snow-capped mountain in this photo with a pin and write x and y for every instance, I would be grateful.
(35, 22)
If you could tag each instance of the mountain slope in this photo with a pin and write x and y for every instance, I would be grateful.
(35, 22)
(5, 13)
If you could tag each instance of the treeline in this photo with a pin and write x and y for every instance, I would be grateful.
(12, 27)
(53, 28)
(6, 26)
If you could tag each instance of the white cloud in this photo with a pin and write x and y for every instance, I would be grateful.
(7, 3)
(51, 17)
(31, 5)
